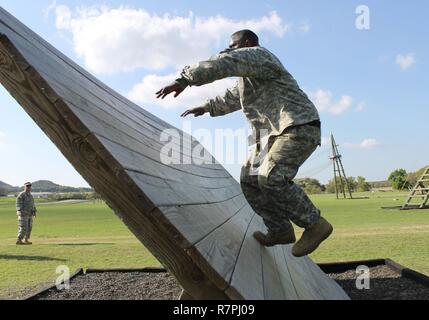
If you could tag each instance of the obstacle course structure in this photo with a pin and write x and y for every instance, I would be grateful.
(193, 218)
(341, 183)
(419, 195)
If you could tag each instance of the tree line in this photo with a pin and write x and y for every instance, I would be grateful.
(399, 179)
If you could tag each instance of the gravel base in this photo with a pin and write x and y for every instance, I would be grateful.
(118, 286)
(385, 284)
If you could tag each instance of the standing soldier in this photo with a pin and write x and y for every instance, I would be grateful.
(273, 103)
(25, 210)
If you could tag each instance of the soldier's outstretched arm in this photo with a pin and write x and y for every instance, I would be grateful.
(219, 106)
(176, 87)
(245, 62)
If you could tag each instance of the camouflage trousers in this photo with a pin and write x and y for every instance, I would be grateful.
(25, 225)
(267, 183)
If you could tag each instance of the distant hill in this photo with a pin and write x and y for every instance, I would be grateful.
(45, 186)
(49, 186)
(5, 185)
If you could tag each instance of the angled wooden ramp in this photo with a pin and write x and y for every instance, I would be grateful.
(193, 218)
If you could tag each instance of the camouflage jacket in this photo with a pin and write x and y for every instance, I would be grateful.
(25, 204)
(266, 92)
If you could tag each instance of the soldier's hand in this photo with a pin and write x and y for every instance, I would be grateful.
(197, 112)
(174, 87)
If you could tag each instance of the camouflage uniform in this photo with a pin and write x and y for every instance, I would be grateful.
(273, 103)
(25, 211)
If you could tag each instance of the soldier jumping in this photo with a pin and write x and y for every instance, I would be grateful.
(273, 103)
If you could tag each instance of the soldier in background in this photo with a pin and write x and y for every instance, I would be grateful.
(273, 103)
(25, 210)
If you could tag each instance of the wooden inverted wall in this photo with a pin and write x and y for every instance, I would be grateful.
(193, 218)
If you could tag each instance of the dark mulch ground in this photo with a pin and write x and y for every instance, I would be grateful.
(118, 286)
(385, 284)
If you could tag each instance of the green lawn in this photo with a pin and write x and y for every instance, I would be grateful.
(90, 235)
(365, 231)
(76, 235)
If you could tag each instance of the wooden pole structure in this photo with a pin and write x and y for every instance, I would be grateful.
(339, 172)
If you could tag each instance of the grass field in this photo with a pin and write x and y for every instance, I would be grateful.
(90, 235)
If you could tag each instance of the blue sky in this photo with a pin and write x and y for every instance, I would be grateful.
(370, 85)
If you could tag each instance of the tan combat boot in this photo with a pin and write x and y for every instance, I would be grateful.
(20, 242)
(26, 241)
(273, 239)
(312, 238)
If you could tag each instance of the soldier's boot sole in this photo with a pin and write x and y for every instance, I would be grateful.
(269, 240)
(20, 243)
(312, 238)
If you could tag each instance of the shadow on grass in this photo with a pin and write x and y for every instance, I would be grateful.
(28, 258)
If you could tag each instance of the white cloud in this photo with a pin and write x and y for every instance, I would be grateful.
(305, 28)
(48, 10)
(123, 39)
(144, 92)
(325, 103)
(326, 141)
(365, 144)
(63, 17)
(361, 106)
(405, 61)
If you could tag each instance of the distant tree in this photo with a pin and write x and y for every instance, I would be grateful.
(93, 196)
(330, 187)
(311, 186)
(415, 176)
(3, 192)
(398, 178)
(352, 184)
(362, 185)
(380, 184)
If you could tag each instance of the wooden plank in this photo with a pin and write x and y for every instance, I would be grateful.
(101, 170)
(273, 288)
(329, 289)
(220, 248)
(108, 126)
(285, 275)
(135, 160)
(163, 196)
(182, 181)
(129, 125)
(302, 279)
(197, 221)
(246, 280)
